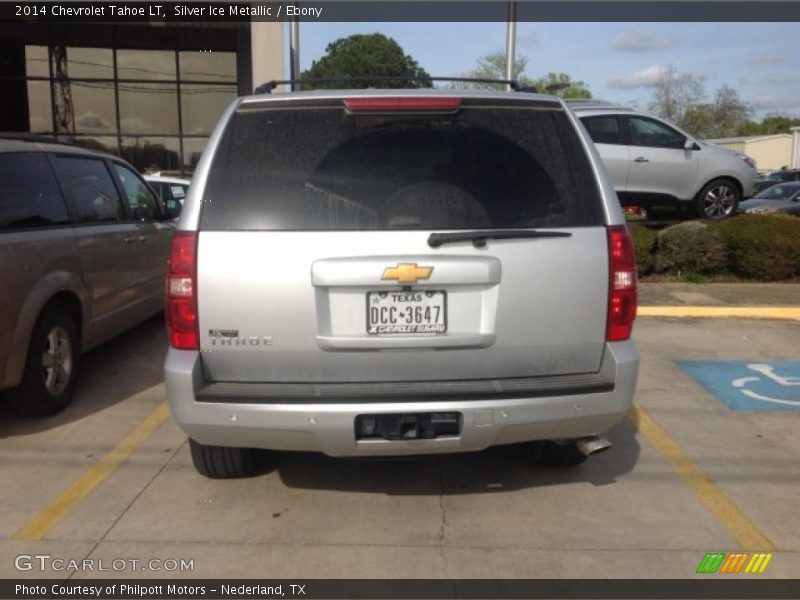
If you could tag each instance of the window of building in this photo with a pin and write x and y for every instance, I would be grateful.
(155, 108)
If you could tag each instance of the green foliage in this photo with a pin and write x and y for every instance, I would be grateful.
(678, 97)
(493, 66)
(690, 246)
(365, 56)
(763, 247)
(644, 240)
(692, 277)
(561, 84)
(771, 124)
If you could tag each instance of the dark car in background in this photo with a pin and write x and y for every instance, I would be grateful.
(83, 250)
(780, 198)
(782, 176)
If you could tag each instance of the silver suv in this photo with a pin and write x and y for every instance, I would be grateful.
(399, 272)
(653, 163)
(83, 249)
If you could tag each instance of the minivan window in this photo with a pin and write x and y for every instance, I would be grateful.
(603, 130)
(142, 202)
(326, 169)
(29, 194)
(89, 187)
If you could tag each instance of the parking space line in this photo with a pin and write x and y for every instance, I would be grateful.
(742, 312)
(53, 513)
(741, 528)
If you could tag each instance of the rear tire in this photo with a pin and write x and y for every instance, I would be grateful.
(222, 462)
(717, 200)
(550, 454)
(51, 366)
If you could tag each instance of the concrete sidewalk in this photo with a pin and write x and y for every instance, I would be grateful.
(719, 294)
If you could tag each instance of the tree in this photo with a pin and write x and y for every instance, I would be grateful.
(726, 116)
(562, 85)
(493, 66)
(675, 93)
(366, 56)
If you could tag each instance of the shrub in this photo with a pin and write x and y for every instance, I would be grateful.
(764, 247)
(644, 240)
(691, 246)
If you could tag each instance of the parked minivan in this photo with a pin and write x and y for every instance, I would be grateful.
(394, 272)
(83, 250)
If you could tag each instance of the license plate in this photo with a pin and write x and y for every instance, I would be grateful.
(406, 312)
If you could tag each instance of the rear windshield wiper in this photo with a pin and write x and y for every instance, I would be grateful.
(479, 236)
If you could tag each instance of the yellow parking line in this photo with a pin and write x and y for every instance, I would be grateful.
(743, 530)
(744, 312)
(53, 513)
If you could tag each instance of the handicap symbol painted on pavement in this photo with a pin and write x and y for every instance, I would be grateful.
(749, 385)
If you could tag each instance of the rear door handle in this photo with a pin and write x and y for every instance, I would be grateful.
(641, 159)
(131, 240)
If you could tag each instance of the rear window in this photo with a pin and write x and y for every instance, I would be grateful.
(326, 169)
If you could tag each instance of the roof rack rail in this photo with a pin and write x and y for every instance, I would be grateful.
(266, 88)
(45, 138)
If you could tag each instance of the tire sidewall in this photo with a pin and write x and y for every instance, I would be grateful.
(37, 399)
(700, 200)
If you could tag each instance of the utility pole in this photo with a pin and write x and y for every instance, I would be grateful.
(294, 51)
(511, 40)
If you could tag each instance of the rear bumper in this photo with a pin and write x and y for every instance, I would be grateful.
(328, 427)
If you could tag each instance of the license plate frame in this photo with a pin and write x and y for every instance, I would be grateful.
(374, 329)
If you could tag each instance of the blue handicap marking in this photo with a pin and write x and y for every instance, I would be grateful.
(749, 385)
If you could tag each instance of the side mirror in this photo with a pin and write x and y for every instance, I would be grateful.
(691, 145)
(172, 210)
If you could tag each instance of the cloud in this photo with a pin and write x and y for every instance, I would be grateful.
(766, 80)
(529, 40)
(636, 40)
(773, 102)
(769, 58)
(639, 79)
(92, 121)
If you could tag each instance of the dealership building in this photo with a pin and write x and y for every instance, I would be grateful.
(149, 92)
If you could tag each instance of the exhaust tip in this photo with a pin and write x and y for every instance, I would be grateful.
(592, 445)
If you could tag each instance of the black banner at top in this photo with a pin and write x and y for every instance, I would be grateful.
(68, 11)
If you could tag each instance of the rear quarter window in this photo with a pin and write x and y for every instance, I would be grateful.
(327, 169)
(29, 194)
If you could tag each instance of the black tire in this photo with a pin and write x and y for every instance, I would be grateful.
(717, 200)
(550, 454)
(48, 384)
(222, 462)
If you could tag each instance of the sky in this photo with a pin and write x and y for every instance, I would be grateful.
(618, 61)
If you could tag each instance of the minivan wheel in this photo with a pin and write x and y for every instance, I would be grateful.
(222, 462)
(550, 454)
(717, 200)
(51, 366)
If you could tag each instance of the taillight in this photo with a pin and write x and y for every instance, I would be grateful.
(402, 103)
(622, 284)
(181, 292)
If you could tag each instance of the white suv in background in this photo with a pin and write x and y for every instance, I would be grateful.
(653, 163)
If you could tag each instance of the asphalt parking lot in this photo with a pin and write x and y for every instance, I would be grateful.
(111, 478)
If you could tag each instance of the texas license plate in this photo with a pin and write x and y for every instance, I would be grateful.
(406, 312)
